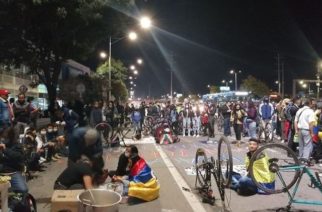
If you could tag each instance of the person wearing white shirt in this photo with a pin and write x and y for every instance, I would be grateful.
(304, 122)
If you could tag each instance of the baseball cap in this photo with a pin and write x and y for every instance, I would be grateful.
(4, 92)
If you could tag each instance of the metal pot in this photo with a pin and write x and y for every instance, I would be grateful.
(104, 200)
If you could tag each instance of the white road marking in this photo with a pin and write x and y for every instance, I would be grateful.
(193, 201)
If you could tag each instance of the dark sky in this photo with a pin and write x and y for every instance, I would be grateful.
(207, 38)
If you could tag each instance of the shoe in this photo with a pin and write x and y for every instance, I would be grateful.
(57, 156)
(198, 136)
(54, 159)
(42, 160)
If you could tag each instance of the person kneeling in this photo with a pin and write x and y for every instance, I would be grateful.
(83, 174)
(244, 185)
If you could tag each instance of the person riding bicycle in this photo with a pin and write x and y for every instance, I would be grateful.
(244, 185)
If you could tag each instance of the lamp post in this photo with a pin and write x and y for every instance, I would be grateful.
(235, 73)
(319, 68)
(226, 82)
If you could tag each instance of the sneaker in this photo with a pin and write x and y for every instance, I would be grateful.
(57, 156)
(42, 160)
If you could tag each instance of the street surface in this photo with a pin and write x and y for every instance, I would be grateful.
(171, 164)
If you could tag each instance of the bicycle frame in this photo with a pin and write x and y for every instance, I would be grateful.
(316, 182)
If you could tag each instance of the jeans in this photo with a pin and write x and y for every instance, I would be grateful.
(252, 129)
(244, 184)
(137, 127)
(196, 125)
(18, 183)
(305, 144)
(186, 124)
(227, 126)
(238, 129)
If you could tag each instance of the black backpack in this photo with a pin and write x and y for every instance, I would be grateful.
(22, 202)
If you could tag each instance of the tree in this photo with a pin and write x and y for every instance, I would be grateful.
(118, 75)
(42, 34)
(256, 86)
(214, 89)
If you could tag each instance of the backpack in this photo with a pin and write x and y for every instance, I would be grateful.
(22, 202)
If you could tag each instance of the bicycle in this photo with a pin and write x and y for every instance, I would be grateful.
(221, 169)
(265, 131)
(111, 135)
(288, 171)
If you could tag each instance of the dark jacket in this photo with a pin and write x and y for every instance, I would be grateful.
(12, 158)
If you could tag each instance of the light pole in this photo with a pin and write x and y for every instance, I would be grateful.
(145, 23)
(226, 82)
(319, 68)
(235, 72)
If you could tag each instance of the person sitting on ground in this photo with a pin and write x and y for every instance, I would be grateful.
(122, 164)
(12, 161)
(140, 183)
(84, 174)
(244, 185)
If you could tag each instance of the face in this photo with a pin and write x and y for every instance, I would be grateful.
(252, 146)
(127, 152)
(21, 98)
(50, 129)
(237, 107)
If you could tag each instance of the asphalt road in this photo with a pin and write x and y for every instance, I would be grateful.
(170, 163)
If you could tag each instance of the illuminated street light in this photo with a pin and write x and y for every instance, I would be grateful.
(131, 82)
(132, 67)
(130, 77)
(134, 85)
(133, 36)
(139, 61)
(135, 72)
(301, 82)
(304, 85)
(235, 73)
(103, 55)
(276, 82)
(145, 22)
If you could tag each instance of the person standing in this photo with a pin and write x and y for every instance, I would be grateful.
(22, 112)
(96, 116)
(237, 116)
(6, 113)
(226, 112)
(290, 113)
(304, 123)
(251, 119)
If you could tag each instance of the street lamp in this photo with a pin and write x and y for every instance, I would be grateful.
(139, 61)
(135, 72)
(235, 72)
(145, 22)
(133, 36)
(132, 67)
(226, 82)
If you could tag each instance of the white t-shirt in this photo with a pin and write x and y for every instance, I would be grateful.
(39, 142)
(303, 119)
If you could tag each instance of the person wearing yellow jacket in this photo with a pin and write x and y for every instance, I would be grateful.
(244, 185)
(140, 183)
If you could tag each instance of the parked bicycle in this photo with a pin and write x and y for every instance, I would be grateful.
(265, 131)
(220, 168)
(288, 172)
(112, 135)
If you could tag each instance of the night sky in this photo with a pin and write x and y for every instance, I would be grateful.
(207, 38)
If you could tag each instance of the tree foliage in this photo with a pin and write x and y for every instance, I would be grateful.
(119, 74)
(44, 33)
(214, 89)
(256, 86)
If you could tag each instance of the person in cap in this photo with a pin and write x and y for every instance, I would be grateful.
(243, 183)
(6, 114)
(84, 141)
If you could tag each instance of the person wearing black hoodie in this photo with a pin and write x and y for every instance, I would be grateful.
(12, 161)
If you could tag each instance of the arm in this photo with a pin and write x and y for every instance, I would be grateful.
(88, 184)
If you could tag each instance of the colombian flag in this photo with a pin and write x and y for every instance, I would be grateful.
(143, 184)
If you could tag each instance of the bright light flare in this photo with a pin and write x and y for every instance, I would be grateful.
(139, 61)
(103, 55)
(145, 22)
(133, 36)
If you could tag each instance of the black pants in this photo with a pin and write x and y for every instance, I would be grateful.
(238, 130)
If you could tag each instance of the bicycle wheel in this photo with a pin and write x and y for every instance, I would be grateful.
(128, 130)
(200, 166)
(274, 168)
(106, 132)
(225, 161)
(269, 132)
